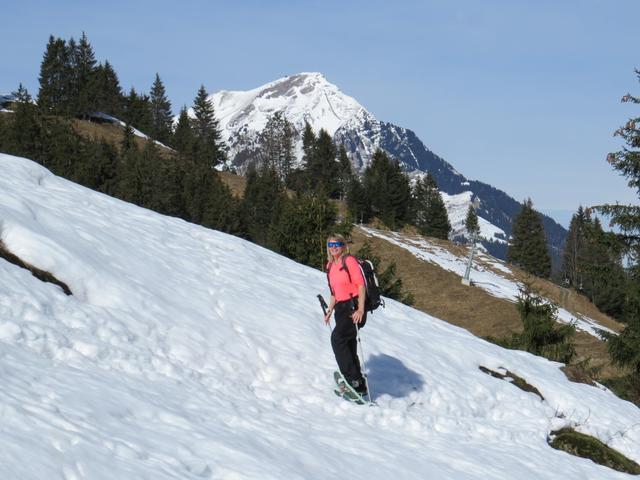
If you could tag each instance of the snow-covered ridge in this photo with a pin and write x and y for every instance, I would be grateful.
(305, 97)
(186, 353)
(302, 98)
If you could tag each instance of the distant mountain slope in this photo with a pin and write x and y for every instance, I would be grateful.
(309, 97)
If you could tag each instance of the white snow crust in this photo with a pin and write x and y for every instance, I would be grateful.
(185, 353)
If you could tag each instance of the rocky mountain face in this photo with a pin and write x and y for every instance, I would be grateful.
(309, 97)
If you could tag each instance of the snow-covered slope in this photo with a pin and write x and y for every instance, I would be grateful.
(186, 353)
(457, 208)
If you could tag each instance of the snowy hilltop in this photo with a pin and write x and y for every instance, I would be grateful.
(186, 353)
(309, 97)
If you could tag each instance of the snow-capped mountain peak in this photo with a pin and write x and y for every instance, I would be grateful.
(304, 97)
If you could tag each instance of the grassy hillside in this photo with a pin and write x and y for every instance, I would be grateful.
(441, 294)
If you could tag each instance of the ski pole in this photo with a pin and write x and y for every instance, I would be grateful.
(366, 377)
(324, 306)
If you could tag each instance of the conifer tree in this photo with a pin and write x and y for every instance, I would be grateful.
(183, 138)
(346, 174)
(322, 168)
(137, 111)
(262, 203)
(55, 78)
(308, 145)
(161, 117)
(168, 183)
(25, 132)
(207, 200)
(625, 348)
(575, 249)
(358, 202)
(603, 280)
(221, 210)
(399, 195)
(528, 246)
(72, 48)
(107, 169)
(108, 94)
(275, 146)
(299, 179)
(128, 139)
(471, 222)
(388, 190)
(84, 67)
(301, 230)
(129, 187)
(542, 335)
(430, 213)
(208, 148)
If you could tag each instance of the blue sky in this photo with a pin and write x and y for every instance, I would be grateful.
(523, 95)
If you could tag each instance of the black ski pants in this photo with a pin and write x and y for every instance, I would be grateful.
(344, 340)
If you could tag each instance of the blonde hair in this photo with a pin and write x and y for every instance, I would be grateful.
(339, 238)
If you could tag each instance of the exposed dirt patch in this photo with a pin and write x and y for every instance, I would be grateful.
(36, 272)
(519, 382)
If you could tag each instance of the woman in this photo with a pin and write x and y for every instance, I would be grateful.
(347, 286)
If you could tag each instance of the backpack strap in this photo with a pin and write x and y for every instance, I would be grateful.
(344, 266)
(328, 281)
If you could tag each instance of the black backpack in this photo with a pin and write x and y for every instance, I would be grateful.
(373, 299)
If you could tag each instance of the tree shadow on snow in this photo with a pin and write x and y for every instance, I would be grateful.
(388, 375)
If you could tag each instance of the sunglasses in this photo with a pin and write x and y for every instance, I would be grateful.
(335, 244)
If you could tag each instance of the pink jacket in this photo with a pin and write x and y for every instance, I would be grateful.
(341, 287)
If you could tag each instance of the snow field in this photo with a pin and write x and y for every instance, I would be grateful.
(186, 353)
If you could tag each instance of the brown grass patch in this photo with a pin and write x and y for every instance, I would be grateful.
(112, 134)
(236, 183)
